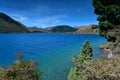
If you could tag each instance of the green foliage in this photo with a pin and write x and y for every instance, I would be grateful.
(86, 51)
(99, 69)
(109, 14)
(23, 70)
(79, 61)
(72, 74)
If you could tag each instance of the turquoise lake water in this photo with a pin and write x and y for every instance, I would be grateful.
(54, 52)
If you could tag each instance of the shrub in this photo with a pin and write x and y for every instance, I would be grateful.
(21, 70)
(79, 61)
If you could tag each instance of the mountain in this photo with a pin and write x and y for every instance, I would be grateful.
(36, 29)
(54, 29)
(89, 29)
(9, 25)
(61, 29)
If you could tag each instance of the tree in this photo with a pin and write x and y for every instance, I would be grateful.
(22, 70)
(108, 12)
(79, 61)
(85, 55)
(99, 69)
(86, 52)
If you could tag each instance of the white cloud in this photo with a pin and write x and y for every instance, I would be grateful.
(52, 19)
(22, 18)
(19, 17)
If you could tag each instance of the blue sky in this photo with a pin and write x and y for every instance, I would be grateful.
(46, 13)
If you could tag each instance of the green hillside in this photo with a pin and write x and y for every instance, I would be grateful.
(9, 25)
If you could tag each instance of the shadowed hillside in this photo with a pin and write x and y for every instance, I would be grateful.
(9, 25)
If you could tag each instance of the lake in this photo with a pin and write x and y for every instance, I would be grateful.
(54, 52)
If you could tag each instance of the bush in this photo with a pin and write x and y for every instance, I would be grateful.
(79, 61)
(99, 69)
(102, 69)
(21, 70)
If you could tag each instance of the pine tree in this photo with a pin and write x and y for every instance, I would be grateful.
(86, 52)
(108, 12)
(79, 61)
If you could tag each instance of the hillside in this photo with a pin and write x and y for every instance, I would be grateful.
(89, 29)
(61, 29)
(36, 29)
(54, 29)
(9, 25)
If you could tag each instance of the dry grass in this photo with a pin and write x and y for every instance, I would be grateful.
(90, 29)
(105, 46)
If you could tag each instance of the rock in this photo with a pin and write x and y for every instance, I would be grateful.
(108, 52)
(116, 50)
(105, 46)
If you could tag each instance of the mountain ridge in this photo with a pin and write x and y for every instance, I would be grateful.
(54, 29)
(9, 25)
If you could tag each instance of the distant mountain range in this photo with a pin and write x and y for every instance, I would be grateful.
(54, 29)
(9, 25)
(36, 29)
